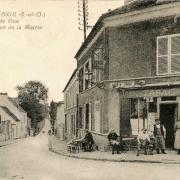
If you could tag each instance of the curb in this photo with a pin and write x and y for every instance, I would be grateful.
(11, 142)
(113, 160)
(1, 145)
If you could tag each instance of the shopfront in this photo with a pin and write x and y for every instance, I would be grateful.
(140, 107)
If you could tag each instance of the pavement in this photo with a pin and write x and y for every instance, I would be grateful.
(60, 147)
(30, 159)
(8, 142)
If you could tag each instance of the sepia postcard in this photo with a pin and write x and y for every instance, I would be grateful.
(90, 89)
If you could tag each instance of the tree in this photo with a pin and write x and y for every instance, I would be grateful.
(32, 98)
(52, 113)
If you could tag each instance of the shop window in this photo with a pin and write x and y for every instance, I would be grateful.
(168, 54)
(153, 106)
(138, 115)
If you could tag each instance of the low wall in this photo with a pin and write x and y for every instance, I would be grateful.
(101, 141)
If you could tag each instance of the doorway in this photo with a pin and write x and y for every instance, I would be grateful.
(168, 117)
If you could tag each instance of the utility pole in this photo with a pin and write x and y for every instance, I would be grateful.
(83, 16)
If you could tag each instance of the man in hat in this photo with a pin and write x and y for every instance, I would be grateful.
(143, 141)
(159, 135)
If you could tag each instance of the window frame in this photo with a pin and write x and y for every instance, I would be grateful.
(169, 55)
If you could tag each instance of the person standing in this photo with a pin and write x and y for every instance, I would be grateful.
(159, 135)
(50, 140)
(177, 137)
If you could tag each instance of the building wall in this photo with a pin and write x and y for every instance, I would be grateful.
(70, 108)
(4, 101)
(6, 126)
(60, 121)
(132, 48)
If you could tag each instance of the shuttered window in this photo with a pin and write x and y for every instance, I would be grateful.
(168, 54)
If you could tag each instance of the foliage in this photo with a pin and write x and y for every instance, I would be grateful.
(32, 98)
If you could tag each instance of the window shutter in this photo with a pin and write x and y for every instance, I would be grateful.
(84, 116)
(163, 65)
(90, 120)
(162, 55)
(163, 46)
(175, 54)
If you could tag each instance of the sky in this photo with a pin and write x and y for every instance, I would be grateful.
(46, 54)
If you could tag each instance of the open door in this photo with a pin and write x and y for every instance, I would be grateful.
(168, 117)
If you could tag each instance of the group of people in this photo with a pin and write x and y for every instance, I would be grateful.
(153, 140)
(145, 141)
(148, 141)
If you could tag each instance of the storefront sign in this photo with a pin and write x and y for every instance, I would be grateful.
(159, 92)
(151, 93)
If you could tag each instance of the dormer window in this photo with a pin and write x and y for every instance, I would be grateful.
(168, 54)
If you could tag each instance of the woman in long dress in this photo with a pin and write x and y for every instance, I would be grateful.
(50, 140)
(177, 137)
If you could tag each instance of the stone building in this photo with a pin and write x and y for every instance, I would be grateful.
(13, 119)
(129, 70)
(59, 125)
(70, 106)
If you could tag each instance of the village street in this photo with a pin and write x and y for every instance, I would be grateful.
(30, 159)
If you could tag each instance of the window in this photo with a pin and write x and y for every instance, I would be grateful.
(88, 74)
(138, 115)
(0, 119)
(80, 122)
(65, 123)
(168, 54)
(81, 83)
(87, 117)
(98, 65)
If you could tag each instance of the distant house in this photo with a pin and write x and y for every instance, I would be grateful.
(70, 106)
(59, 125)
(13, 119)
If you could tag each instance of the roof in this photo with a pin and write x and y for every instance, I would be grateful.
(130, 7)
(16, 103)
(74, 72)
(9, 113)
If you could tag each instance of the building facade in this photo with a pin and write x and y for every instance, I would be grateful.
(70, 106)
(59, 125)
(13, 119)
(129, 70)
